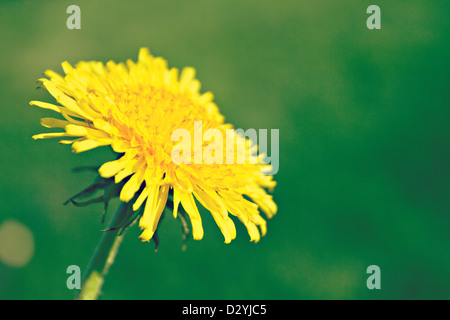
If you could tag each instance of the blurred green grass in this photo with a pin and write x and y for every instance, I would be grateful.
(364, 146)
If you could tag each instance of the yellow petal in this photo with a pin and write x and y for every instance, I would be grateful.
(75, 130)
(111, 168)
(85, 145)
(154, 208)
(176, 201)
(147, 235)
(132, 186)
(188, 203)
(144, 194)
(50, 135)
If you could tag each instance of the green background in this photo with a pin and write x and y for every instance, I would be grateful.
(364, 146)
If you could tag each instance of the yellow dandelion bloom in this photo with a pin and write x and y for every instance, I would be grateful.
(134, 107)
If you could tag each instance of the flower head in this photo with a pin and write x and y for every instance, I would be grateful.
(135, 107)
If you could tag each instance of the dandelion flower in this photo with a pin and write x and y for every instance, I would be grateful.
(134, 107)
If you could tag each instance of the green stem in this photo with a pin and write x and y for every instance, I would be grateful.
(103, 257)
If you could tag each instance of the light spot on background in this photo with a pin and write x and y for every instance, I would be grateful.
(16, 244)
